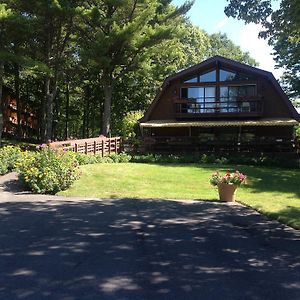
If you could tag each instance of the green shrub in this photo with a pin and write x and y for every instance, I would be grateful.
(85, 159)
(120, 158)
(130, 124)
(237, 158)
(9, 156)
(48, 171)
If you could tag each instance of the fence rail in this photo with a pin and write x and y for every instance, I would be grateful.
(102, 145)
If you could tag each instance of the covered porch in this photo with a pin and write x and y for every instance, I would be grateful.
(264, 135)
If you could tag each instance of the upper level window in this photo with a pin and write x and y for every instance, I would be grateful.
(208, 77)
(224, 75)
(203, 99)
(230, 96)
(229, 75)
(192, 80)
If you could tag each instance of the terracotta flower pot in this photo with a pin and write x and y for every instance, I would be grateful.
(227, 192)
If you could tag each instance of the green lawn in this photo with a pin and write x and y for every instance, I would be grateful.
(275, 192)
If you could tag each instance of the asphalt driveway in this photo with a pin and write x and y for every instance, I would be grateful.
(53, 248)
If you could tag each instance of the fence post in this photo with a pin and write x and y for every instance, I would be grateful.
(85, 148)
(76, 148)
(109, 145)
(116, 145)
(95, 145)
(102, 150)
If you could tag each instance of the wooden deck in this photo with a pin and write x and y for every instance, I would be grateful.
(100, 145)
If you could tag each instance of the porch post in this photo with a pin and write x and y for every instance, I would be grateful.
(239, 139)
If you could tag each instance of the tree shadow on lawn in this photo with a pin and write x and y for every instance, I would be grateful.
(260, 179)
(135, 249)
(289, 215)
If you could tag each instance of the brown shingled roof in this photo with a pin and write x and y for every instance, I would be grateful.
(232, 63)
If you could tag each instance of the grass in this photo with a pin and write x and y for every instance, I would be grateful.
(272, 191)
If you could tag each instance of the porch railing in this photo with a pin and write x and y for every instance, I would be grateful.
(101, 145)
(192, 108)
(187, 144)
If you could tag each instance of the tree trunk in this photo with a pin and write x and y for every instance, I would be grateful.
(85, 124)
(108, 90)
(67, 109)
(55, 114)
(42, 116)
(48, 110)
(92, 112)
(1, 104)
(17, 95)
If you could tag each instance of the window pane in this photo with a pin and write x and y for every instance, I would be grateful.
(244, 77)
(195, 92)
(210, 103)
(223, 105)
(250, 90)
(226, 75)
(184, 93)
(242, 91)
(223, 91)
(192, 80)
(232, 99)
(209, 77)
(200, 100)
(233, 91)
(210, 91)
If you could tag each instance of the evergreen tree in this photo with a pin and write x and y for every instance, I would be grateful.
(113, 35)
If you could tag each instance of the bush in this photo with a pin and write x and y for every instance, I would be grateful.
(48, 171)
(238, 158)
(120, 158)
(130, 125)
(9, 156)
(85, 159)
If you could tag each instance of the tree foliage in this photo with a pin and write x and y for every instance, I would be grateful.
(282, 29)
(86, 65)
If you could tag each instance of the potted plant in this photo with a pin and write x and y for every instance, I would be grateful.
(227, 184)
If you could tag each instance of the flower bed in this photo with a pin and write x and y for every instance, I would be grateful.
(47, 171)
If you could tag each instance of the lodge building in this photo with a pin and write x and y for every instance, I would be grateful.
(220, 105)
(28, 120)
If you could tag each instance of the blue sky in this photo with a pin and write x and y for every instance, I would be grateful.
(209, 15)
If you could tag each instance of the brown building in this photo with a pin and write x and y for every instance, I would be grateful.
(28, 120)
(220, 105)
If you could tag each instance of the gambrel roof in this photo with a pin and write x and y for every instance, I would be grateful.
(225, 62)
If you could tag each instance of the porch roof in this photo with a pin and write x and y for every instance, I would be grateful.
(261, 122)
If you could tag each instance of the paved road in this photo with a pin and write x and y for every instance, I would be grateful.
(51, 248)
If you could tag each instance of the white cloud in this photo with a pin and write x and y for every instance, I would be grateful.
(221, 24)
(258, 48)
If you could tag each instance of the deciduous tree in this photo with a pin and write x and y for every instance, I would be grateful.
(282, 29)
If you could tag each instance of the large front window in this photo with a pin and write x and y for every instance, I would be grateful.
(233, 98)
(201, 99)
(219, 91)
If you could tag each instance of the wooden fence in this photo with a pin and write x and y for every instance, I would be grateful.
(101, 145)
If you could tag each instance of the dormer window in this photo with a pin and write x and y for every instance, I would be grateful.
(210, 76)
